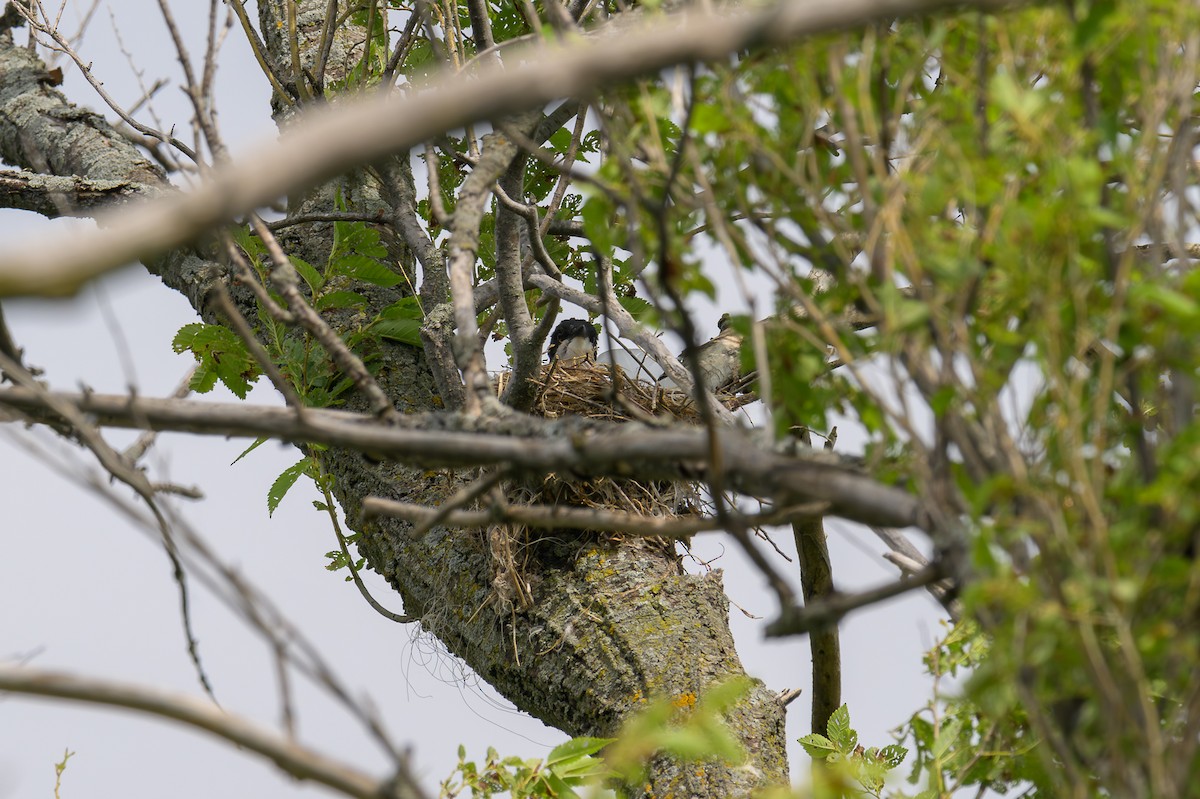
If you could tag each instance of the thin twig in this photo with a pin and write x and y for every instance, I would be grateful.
(134, 452)
(61, 44)
(331, 509)
(112, 462)
(797, 621)
(241, 327)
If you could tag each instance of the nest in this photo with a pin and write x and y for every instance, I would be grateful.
(583, 389)
(587, 389)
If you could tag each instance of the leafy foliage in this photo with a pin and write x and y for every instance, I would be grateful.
(689, 727)
(286, 479)
(220, 355)
(840, 753)
(569, 766)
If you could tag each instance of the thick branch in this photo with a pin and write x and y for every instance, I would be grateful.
(569, 446)
(48, 195)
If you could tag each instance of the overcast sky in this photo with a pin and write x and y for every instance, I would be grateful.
(84, 590)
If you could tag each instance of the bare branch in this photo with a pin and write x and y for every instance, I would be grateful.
(909, 560)
(565, 517)
(530, 445)
(298, 761)
(797, 621)
(121, 469)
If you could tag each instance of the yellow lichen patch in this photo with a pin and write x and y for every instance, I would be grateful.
(687, 699)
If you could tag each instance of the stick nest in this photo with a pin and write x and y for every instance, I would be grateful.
(589, 390)
(584, 389)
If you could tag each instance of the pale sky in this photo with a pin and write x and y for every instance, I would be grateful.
(84, 591)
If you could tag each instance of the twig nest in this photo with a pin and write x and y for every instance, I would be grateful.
(596, 391)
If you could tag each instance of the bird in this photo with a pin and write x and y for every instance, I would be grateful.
(720, 357)
(572, 339)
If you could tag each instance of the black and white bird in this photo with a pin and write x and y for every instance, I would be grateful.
(572, 339)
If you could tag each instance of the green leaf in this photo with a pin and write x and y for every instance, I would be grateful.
(947, 735)
(339, 299)
(597, 222)
(1092, 23)
(252, 244)
(893, 755)
(220, 354)
(204, 379)
(557, 787)
(576, 747)
(307, 271)
(258, 442)
(709, 118)
(400, 321)
(639, 309)
(839, 727)
(367, 269)
(818, 746)
(283, 484)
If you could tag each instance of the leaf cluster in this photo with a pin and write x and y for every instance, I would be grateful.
(838, 758)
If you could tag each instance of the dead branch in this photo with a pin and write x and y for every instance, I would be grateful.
(298, 761)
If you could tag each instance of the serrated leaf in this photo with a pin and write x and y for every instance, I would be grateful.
(817, 746)
(220, 354)
(893, 755)
(639, 309)
(258, 442)
(839, 724)
(283, 484)
(236, 375)
(186, 336)
(367, 269)
(339, 299)
(203, 380)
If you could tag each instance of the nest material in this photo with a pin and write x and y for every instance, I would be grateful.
(585, 389)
